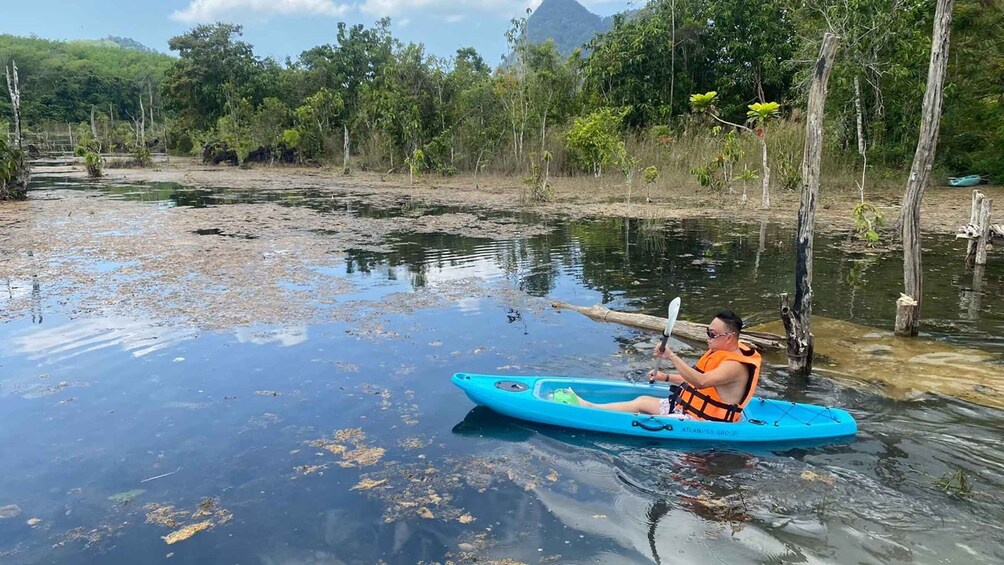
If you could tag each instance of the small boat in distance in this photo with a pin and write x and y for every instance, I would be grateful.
(971, 180)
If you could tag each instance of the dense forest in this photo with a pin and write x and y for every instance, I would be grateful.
(375, 102)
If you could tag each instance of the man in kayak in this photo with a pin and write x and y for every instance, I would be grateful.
(717, 388)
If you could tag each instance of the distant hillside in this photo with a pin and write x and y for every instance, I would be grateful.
(567, 22)
(62, 80)
(123, 42)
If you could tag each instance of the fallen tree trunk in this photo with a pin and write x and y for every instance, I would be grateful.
(682, 329)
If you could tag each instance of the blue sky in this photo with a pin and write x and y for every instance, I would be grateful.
(281, 28)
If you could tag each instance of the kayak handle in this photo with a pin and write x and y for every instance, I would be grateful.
(645, 425)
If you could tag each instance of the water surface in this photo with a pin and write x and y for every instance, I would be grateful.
(339, 439)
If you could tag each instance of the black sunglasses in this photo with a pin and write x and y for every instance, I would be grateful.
(712, 335)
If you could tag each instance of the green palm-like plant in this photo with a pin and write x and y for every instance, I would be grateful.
(759, 112)
(703, 102)
(757, 116)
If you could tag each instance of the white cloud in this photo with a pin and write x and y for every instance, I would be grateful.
(199, 11)
(381, 8)
(453, 18)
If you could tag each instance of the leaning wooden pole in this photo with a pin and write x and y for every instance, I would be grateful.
(797, 317)
(909, 304)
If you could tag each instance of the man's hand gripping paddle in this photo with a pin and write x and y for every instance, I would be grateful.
(671, 315)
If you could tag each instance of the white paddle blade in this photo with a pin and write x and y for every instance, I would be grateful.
(671, 315)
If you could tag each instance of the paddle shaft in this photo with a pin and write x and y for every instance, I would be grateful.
(661, 348)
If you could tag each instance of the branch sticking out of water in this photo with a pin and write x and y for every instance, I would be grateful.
(160, 476)
(957, 483)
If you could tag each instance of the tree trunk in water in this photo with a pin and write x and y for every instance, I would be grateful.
(345, 150)
(984, 239)
(14, 88)
(861, 137)
(909, 305)
(765, 201)
(69, 130)
(797, 318)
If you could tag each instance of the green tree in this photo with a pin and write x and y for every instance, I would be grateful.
(350, 66)
(593, 140)
(627, 66)
(14, 172)
(746, 50)
(213, 68)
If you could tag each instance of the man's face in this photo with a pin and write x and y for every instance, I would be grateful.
(719, 335)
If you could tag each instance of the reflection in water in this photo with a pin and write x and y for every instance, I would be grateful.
(971, 296)
(138, 337)
(284, 336)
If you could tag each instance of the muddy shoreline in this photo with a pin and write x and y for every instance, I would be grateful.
(944, 208)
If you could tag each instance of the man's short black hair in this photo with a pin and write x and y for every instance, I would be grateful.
(732, 321)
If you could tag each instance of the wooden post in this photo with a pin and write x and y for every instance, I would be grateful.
(797, 317)
(984, 224)
(909, 305)
(974, 217)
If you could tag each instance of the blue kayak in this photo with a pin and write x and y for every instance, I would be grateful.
(764, 420)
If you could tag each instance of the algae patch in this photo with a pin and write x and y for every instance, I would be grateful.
(207, 514)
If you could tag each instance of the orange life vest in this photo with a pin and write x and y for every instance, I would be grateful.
(704, 403)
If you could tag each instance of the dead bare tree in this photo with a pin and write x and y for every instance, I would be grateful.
(14, 88)
(797, 318)
(909, 304)
(15, 181)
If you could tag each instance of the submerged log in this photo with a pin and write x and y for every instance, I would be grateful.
(682, 329)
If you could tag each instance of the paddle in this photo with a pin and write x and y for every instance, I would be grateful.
(671, 314)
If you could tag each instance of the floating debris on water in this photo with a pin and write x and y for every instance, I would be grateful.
(186, 532)
(369, 484)
(9, 511)
(816, 477)
(310, 469)
(190, 523)
(413, 443)
(362, 455)
(127, 496)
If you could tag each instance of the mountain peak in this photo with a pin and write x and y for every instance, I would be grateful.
(567, 22)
